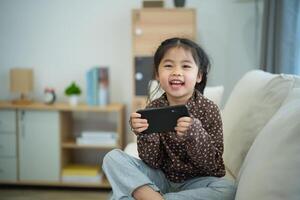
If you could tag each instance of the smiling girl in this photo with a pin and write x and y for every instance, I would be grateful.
(183, 164)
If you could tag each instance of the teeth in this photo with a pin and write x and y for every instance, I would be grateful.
(176, 82)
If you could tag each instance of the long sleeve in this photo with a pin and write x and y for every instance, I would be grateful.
(149, 145)
(205, 144)
(149, 149)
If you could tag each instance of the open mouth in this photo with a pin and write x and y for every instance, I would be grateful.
(176, 83)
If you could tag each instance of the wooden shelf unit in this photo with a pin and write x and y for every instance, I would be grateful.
(151, 26)
(14, 123)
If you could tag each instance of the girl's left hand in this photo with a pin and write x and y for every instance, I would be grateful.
(183, 124)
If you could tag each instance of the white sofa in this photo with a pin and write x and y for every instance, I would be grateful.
(262, 137)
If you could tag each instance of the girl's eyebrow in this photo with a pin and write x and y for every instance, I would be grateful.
(183, 61)
(168, 60)
(188, 61)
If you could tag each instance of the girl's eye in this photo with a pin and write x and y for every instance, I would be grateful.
(167, 66)
(186, 66)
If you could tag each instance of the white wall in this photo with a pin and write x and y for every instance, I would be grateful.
(62, 39)
(229, 30)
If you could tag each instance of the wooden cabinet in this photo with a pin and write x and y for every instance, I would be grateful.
(38, 141)
(149, 28)
(8, 146)
(39, 145)
(152, 26)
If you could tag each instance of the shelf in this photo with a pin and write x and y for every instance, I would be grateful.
(62, 106)
(72, 145)
(103, 185)
(64, 123)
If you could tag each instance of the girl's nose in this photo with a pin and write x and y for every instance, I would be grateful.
(176, 72)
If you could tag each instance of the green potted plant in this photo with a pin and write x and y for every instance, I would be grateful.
(73, 91)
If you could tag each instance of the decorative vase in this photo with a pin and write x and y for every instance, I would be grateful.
(73, 100)
(179, 3)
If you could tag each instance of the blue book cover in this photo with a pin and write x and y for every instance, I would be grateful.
(97, 86)
(92, 86)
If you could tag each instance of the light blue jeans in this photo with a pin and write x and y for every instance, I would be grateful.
(126, 173)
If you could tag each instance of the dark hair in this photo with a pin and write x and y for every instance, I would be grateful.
(200, 57)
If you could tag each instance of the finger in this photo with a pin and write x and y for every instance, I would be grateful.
(184, 124)
(180, 129)
(135, 115)
(139, 125)
(139, 120)
(185, 119)
(180, 134)
(141, 129)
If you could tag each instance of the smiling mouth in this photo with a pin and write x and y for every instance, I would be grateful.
(176, 83)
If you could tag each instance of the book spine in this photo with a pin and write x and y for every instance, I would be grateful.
(88, 88)
(95, 86)
(82, 141)
(103, 83)
(99, 135)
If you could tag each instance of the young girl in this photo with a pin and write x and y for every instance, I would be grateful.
(187, 163)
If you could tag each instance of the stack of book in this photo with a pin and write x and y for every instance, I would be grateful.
(101, 138)
(97, 86)
(81, 174)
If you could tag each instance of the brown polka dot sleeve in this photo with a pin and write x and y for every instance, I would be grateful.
(198, 153)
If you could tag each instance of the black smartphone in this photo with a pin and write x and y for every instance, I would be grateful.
(163, 119)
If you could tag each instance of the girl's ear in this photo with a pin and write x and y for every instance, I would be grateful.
(199, 77)
(156, 77)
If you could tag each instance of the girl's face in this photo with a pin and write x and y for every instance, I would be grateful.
(178, 75)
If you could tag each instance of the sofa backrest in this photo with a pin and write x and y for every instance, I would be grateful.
(270, 170)
(252, 103)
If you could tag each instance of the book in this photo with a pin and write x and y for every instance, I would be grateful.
(81, 170)
(81, 173)
(103, 81)
(99, 135)
(101, 138)
(100, 142)
(92, 80)
(97, 81)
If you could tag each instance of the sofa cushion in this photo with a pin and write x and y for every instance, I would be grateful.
(253, 101)
(214, 93)
(271, 168)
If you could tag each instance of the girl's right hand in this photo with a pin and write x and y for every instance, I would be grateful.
(138, 124)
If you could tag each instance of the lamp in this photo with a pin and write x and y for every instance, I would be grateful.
(21, 81)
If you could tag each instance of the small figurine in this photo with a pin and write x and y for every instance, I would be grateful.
(50, 96)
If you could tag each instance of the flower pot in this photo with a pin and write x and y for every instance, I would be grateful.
(73, 100)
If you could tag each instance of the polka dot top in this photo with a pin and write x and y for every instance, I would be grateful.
(196, 154)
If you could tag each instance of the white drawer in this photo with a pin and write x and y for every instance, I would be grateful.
(7, 145)
(8, 169)
(7, 121)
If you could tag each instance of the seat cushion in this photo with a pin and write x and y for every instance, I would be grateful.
(253, 101)
(271, 168)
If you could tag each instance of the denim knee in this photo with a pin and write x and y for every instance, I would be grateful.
(111, 157)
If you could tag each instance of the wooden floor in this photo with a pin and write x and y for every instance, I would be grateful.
(44, 193)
